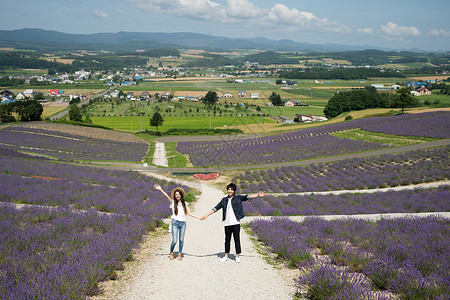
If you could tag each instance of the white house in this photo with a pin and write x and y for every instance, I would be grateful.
(21, 96)
(254, 95)
(289, 103)
(227, 95)
(29, 93)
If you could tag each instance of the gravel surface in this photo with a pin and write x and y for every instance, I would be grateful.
(201, 274)
(159, 157)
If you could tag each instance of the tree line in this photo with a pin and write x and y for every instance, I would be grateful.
(338, 73)
(368, 98)
(25, 111)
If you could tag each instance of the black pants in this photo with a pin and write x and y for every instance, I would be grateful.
(233, 229)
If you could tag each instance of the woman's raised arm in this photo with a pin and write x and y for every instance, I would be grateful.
(159, 188)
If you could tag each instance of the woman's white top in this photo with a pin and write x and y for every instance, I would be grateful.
(230, 217)
(181, 215)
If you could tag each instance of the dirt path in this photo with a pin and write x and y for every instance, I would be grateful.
(201, 274)
(159, 157)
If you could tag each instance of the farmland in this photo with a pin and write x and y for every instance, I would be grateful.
(73, 218)
(108, 218)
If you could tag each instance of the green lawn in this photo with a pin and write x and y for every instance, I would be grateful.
(275, 111)
(142, 123)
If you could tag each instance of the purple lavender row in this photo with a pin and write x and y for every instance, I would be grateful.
(306, 143)
(264, 152)
(407, 257)
(72, 173)
(359, 173)
(59, 254)
(73, 148)
(434, 125)
(56, 184)
(415, 201)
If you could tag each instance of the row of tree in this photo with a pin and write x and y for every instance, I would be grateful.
(25, 111)
(368, 98)
(338, 73)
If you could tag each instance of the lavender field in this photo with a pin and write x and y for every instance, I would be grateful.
(415, 201)
(70, 147)
(313, 142)
(352, 174)
(356, 259)
(87, 223)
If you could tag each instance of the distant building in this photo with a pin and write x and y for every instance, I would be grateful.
(242, 94)
(422, 91)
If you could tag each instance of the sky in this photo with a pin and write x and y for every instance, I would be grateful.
(394, 24)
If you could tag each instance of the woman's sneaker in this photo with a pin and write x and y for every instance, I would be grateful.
(238, 259)
(224, 259)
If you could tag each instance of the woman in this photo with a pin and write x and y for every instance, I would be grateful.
(232, 213)
(179, 211)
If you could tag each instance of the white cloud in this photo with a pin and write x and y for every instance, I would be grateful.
(100, 14)
(367, 31)
(248, 13)
(243, 9)
(393, 31)
(440, 32)
(294, 19)
(196, 9)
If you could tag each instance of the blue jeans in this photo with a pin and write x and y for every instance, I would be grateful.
(178, 230)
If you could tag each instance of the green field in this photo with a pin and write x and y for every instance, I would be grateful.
(290, 112)
(142, 123)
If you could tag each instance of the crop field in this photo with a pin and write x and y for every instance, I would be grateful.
(51, 110)
(313, 142)
(355, 259)
(415, 201)
(141, 123)
(71, 238)
(352, 174)
(65, 146)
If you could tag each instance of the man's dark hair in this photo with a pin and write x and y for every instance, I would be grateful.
(232, 186)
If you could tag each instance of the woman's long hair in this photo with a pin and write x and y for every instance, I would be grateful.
(175, 203)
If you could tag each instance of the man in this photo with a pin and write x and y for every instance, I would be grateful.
(232, 214)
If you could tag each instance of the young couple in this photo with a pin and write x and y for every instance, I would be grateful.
(232, 213)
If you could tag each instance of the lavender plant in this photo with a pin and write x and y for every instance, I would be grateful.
(312, 142)
(359, 173)
(407, 257)
(410, 201)
(70, 147)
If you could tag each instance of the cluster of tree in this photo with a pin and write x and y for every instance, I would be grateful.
(102, 62)
(271, 57)
(75, 115)
(6, 81)
(276, 99)
(338, 73)
(211, 61)
(378, 57)
(368, 98)
(444, 88)
(210, 99)
(18, 60)
(162, 52)
(25, 111)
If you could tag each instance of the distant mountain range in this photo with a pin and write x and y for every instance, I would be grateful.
(39, 39)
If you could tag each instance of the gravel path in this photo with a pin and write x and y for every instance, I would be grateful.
(159, 157)
(201, 275)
